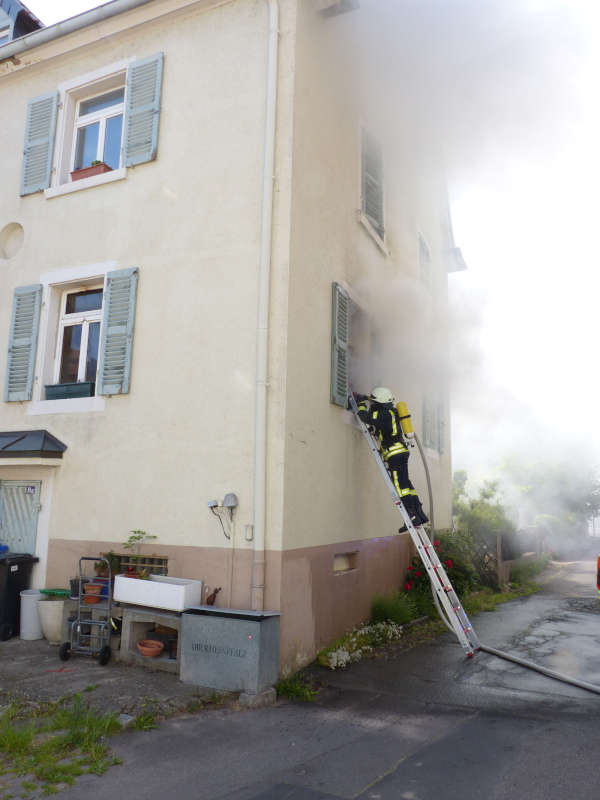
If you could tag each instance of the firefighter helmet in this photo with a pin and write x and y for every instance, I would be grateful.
(382, 395)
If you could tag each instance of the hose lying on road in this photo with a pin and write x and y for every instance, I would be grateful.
(549, 672)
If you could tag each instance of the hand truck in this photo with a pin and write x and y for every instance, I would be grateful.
(88, 635)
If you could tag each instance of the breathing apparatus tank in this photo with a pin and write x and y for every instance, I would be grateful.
(405, 420)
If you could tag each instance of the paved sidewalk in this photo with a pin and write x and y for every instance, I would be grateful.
(33, 671)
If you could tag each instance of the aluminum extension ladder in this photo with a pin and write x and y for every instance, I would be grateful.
(456, 616)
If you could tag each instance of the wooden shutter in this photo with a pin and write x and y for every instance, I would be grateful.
(144, 79)
(372, 183)
(22, 343)
(340, 338)
(428, 425)
(39, 143)
(114, 368)
(441, 426)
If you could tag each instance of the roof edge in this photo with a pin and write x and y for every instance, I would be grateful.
(83, 20)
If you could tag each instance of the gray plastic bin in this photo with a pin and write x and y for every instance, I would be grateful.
(230, 649)
(31, 627)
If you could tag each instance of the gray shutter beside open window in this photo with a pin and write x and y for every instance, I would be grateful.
(114, 367)
(372, 183)
(22, 343)
(39, 143)
(340, 338)
(144, 80)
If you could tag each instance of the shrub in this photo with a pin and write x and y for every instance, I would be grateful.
(398, 608)
(454, 551)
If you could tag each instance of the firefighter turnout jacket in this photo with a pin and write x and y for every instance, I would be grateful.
(385, 422)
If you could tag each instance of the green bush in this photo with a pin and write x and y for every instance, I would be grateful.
(454, 551)
(398, 608)
(521, 574)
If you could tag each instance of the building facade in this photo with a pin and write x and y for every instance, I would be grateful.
(210, 222)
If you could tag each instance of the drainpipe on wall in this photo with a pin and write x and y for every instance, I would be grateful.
(262, 328)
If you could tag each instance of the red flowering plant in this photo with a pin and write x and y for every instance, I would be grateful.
(454, 553)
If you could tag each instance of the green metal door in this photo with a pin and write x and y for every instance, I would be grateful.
(19, 509)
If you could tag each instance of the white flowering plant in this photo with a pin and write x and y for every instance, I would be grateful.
(358, 643)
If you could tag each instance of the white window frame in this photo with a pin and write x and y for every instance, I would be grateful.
(83, 318)
(71, 92)
(54, 283)
(5, 32)
(82, 121)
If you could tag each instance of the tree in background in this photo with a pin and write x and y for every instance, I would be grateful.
(482, 518)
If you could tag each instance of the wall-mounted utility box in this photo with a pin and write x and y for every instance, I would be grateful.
(229, 649)
(158, 591)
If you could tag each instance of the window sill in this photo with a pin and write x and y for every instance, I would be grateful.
(77, 405)
(86, 183)
(364, 221)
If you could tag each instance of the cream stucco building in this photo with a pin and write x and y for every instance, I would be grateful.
(260, 167)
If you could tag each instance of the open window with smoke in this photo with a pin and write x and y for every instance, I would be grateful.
(350, 345)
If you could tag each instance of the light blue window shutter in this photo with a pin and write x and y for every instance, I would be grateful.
(340, 338)
(114, 368)
(372, 182)
(429, 433)
(22, 343)
(441, 422)
(144, 79)
(39, 143)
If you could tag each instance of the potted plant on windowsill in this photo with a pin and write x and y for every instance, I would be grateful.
(95, 168)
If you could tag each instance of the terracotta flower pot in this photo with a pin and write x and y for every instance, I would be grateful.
(92, 588)
(87, 172)
(150, 647)
(91, 599)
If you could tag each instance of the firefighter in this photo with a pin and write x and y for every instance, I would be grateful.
(380, 415)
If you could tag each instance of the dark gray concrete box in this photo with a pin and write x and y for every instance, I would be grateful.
(230, 649)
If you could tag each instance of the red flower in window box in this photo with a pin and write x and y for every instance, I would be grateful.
(409, 569)
(407, 586)
(436, 543)
(96, 168)
(418, 574)
(448, 563)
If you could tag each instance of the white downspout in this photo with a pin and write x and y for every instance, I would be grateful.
(262, 329)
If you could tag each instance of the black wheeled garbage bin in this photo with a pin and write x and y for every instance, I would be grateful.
(15, 576)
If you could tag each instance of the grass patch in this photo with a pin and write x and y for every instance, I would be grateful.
(399, 608)
(521, 575)
(296, 687)
(146, 719)
(52, 744)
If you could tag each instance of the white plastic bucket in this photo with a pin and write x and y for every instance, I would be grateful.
(30, 618)
(51, 615)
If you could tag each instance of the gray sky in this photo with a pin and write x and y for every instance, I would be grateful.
(522, 140)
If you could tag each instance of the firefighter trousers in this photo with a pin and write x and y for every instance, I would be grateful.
(398, 469)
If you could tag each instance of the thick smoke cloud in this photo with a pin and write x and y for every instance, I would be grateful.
(504, 91)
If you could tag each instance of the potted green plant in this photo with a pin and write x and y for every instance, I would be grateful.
(114, 560)
(133, 544)
(95, 168)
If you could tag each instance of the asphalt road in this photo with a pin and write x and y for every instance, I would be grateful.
(427, 724)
